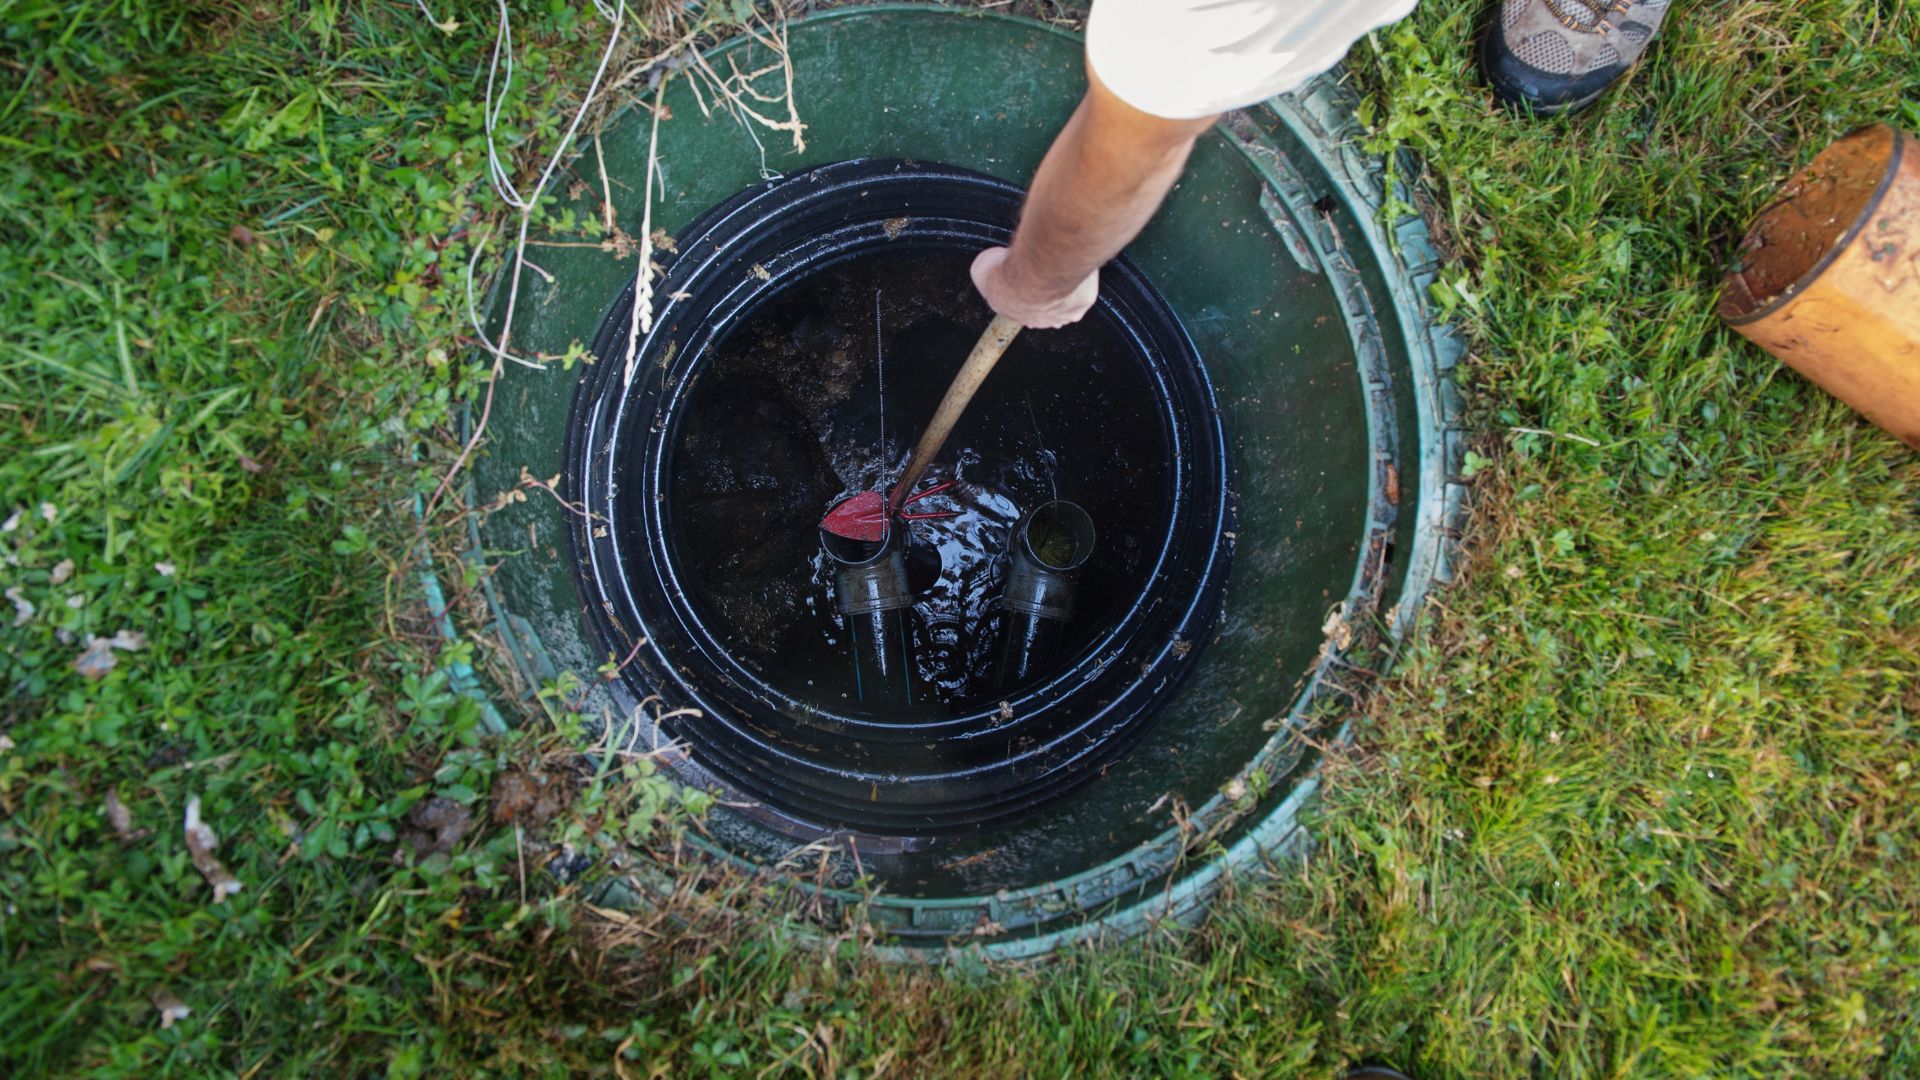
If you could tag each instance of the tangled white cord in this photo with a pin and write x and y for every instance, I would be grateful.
(499, 81)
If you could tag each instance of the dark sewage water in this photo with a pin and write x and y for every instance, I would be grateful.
(822, 393)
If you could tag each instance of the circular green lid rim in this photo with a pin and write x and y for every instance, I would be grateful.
(1318, 115)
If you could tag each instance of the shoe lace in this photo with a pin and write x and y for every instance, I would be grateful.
(1599, 8)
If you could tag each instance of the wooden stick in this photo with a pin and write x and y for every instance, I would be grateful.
(986, 353)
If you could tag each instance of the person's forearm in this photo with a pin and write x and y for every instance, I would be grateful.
(1102, 180)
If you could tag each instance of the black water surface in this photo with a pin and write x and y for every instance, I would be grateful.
(787, 420)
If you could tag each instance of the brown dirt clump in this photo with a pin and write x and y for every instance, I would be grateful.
(530, 798)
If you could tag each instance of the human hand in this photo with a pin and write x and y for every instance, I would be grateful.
(1010, 294)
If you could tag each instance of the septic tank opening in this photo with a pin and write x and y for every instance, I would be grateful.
(947, 677)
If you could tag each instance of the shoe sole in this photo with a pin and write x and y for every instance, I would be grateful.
(1515, 99)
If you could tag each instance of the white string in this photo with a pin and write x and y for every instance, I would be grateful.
(499, 83)
(496, 103)
(502, 43)
(500, 72)
(422, 5)
(473, 310)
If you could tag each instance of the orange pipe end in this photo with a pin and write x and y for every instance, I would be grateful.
(1828, 278)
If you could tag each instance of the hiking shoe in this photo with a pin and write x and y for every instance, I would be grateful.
(1554, 56)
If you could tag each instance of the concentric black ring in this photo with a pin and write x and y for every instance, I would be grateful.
(817, 764)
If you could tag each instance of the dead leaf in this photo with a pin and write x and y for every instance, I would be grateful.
(23, 608)
(251, 465)
(243, 236)
(985, 927)
(202, 845)
(118, 817)
(172, 1009)
(437, 824)
(61, 571)
(97, 659)
(529, 798)
(1336, 628)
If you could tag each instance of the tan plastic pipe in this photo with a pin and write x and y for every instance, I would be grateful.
(986, 353)
(1829, 277)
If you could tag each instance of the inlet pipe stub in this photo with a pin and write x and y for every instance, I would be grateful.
(1041, 583)
(869, 576)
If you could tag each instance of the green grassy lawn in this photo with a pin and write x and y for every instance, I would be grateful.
(1640, 802)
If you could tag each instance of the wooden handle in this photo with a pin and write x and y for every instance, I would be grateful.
(986, 353)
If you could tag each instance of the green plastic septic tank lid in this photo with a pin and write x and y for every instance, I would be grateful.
(1333, 381)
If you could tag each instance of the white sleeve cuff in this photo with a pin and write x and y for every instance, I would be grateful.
(1184, 59)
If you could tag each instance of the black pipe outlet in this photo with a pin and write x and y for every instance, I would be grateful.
(1045, 548)
(870, 590)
